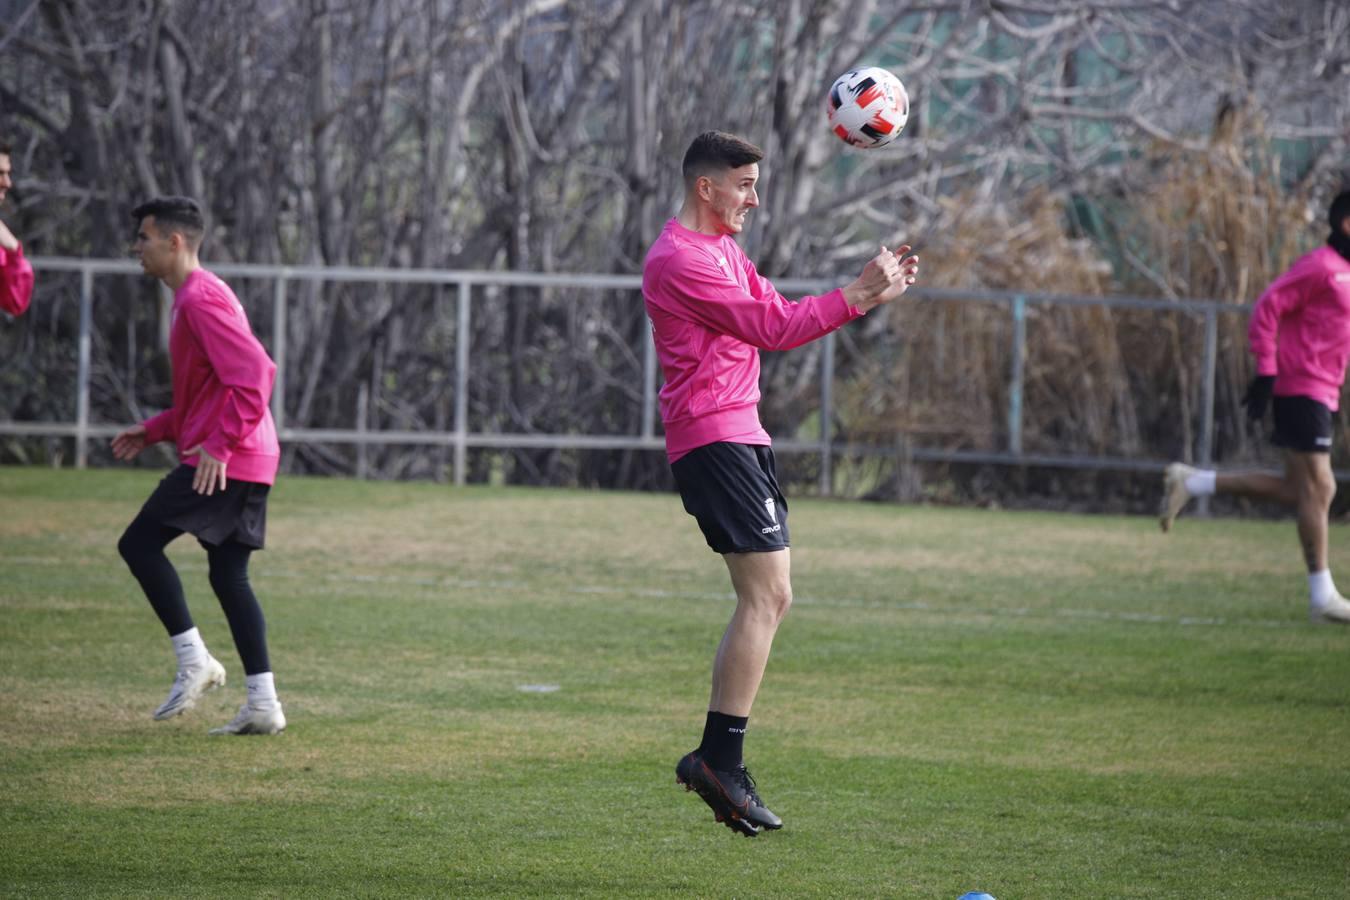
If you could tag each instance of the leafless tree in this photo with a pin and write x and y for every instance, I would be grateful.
(1169, 147)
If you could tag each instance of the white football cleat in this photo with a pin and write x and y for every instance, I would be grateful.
(1175, 495)
(189, 684)
(254, 721)
(1336, 611)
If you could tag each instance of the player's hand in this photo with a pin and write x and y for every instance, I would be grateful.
(885, 277)
(210, 472)
(129, 442)
(903, 271)
(1258, 396)
(7, 239)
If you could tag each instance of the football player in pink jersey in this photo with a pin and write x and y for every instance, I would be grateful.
(228, 459)
(712, 313)
(1300, 337)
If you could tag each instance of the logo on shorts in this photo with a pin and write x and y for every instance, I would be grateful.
(773, 517)
(1322, 441)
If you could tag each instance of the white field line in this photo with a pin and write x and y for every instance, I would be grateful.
(836, 601)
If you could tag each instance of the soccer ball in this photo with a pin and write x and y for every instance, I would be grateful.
(868, 107)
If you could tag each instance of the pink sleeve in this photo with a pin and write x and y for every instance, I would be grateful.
(761, 317)
(242, 367)
(16, 281)
(1284, 295)
(160, 428)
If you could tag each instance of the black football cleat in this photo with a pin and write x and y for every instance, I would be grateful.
(758, 814)
(725, 796)
(730, 795)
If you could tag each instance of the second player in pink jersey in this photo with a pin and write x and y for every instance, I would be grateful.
(228, 459)
(1300, 338)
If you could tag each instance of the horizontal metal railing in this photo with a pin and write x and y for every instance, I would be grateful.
(460, 438)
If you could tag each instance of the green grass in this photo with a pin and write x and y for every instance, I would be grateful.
(1035, 705)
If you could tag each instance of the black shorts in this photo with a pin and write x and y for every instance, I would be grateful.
(732, 490)
(1301, 424)
(238, 513)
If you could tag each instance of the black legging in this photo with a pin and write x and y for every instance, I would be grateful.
(142, 546)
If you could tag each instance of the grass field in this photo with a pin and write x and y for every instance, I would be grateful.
(1036, 705)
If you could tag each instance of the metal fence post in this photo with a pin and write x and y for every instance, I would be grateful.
(462, 325)
(1018, 375)
(827, 416)
(1205, 455)
(279, 352)
(362, 446)
(649, 383)
(82, 378)
(165, 318)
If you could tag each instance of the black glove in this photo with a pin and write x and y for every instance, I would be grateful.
(1257, 397)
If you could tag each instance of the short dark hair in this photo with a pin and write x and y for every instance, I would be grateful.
(181, 214)
(5, 148)
(717, 151)
(1339, 210)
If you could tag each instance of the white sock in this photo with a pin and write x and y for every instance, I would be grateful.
(190, 649)
(1320, 587)
(1200, 483)
(262, 690)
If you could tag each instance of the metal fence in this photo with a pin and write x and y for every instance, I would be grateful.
(460, 438)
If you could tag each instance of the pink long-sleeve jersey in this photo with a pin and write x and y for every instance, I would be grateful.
(222, 380)
(1300, 328)
(711, 313)
(16, 281)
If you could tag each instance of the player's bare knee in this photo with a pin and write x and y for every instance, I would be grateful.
(1318, 488)
(779, 601)
(1327, 490)
(768, 605)
(776, 607)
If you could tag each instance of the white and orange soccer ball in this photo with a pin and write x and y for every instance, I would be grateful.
(868, 106)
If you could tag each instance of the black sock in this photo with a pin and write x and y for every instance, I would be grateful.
(723, 740)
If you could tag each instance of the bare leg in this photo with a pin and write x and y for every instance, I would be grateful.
(1308, 485)
(763, 594)
(1178, 488)
(1259, 486)
(1316, 486)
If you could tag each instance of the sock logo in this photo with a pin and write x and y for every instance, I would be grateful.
(736, 730)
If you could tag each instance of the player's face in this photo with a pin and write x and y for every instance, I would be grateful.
(153, 248)
(6, 182)
(733, 196)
